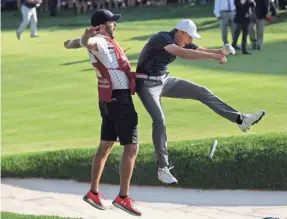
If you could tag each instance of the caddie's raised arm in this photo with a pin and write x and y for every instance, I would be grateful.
(87, 39)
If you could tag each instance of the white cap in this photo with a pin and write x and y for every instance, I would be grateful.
(189, 27)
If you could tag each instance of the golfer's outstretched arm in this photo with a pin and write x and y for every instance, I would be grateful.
(191, 54)
(215, 51)
(72, 44)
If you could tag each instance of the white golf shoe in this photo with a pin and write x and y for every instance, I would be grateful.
(165, 176)
(250, 119)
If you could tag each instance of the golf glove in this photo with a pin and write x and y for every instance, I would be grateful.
(228, 49)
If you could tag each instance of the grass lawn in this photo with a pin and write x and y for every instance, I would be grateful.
(49, 94)
(8, 215)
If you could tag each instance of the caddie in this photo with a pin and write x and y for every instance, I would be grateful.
(116, 85)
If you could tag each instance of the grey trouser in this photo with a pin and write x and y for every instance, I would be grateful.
(29, 15)
(258, 36)
(150, 93)
(227, 19)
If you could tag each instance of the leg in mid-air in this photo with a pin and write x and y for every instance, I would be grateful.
(179, 88)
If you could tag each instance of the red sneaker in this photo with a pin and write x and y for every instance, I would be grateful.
(94, 200)
(126, 204)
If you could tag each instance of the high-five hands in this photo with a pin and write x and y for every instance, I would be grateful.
(90, 32)
(223, 60)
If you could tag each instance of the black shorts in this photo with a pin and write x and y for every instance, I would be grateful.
(119, 118)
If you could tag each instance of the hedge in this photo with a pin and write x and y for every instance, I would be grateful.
(243, 162)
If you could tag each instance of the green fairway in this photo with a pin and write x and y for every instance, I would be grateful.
(7, 215)
(49, 94)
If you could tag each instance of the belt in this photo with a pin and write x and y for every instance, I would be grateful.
(150, 77)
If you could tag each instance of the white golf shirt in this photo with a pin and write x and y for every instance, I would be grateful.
(222, 5)
(107, 56)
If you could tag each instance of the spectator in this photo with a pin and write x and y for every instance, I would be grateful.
(242, 19)
(81, 4)
(260, 13)
(131, 3)
(53, 7)
(102, 3)
(273, 8)
(115, 3)
(29, 15)
(224, 10)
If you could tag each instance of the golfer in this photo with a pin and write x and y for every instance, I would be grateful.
(154, 82)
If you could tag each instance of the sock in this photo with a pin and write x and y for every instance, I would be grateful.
(123, 196)
(95, 193)
(239, 120)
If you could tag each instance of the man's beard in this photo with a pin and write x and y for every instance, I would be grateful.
(110, 32)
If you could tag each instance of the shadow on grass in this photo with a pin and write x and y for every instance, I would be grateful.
(76, 62)
(87, 69)
(66, 19)
(206, 25)
(270, 61)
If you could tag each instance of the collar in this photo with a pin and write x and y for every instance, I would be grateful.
(172, 33)
(101, 36)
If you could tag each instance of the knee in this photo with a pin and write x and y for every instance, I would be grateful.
(158, 122)
(205, 91)
(34, 22)
(131, 150)
(105, 148)
(25, 21)
(158, 119)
